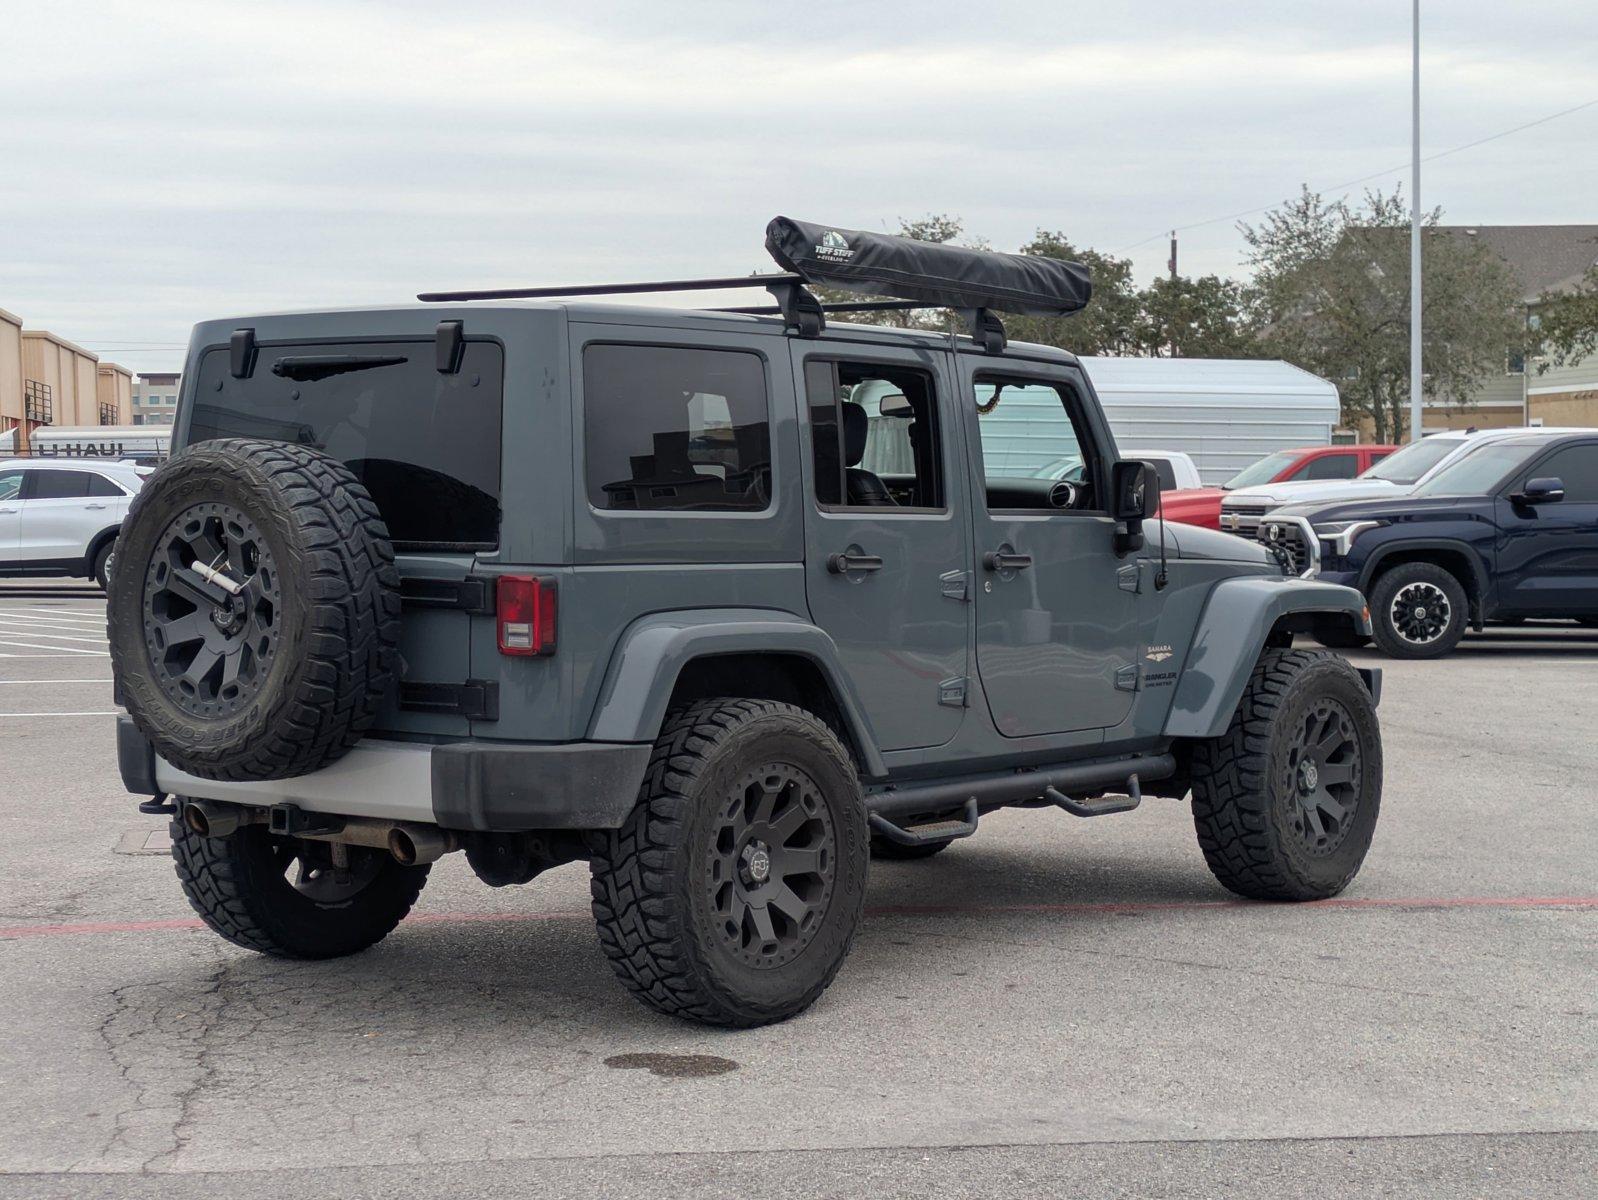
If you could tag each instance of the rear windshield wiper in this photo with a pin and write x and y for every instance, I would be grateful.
(310, 367)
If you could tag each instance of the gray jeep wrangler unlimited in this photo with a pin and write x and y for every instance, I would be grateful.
(722, 602)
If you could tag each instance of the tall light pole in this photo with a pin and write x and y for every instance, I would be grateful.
(1415, 380)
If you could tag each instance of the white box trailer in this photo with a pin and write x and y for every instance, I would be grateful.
(142, 442)
(1224, 413)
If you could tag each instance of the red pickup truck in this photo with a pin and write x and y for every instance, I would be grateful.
(1202, 506)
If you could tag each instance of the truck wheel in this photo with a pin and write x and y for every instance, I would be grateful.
(100, 568)
(254, 610)
(732, 893)
(1418, 610)
(1285, 801)
(285, 897)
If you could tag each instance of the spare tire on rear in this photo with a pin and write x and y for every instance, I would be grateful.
(254, 614)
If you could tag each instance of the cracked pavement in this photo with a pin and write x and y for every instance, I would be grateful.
(1053, 1005)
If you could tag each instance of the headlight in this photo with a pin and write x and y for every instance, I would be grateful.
(1340, 535)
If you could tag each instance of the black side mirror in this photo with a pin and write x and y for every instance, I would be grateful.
(1549, 489)
(1135, 491)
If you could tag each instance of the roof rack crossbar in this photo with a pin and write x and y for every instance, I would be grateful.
(616, 289)
(767, 310)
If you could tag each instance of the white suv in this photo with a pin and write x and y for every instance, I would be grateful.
(61, 516)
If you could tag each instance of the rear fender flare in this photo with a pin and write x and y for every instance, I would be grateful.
(653, 650)
(1229, 638)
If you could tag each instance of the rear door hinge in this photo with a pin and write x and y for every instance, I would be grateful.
(951, 692)
(1128, 678)
(476, 699)
(1130, 578)
(956, 585)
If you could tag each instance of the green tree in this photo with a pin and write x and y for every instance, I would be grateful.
(1108, 325)
(1207, 317)
(1567, 324)
(1331, 294)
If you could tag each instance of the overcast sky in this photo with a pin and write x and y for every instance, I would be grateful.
(168, 161)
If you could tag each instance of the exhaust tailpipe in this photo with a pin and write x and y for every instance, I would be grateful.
(212, 820)
(415, 845)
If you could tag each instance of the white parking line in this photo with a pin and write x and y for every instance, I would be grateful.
(61, 651)
(17, 614)
(95, 653)
(109, 712)
(14, 682)
(60, 614)
(75, 633)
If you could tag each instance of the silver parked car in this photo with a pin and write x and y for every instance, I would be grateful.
(61, 516)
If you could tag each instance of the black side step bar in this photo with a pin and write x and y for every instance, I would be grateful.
(934, 831)
(1018, 787)
(1088, 808)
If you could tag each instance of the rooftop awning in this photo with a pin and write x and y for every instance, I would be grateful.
(943, 276)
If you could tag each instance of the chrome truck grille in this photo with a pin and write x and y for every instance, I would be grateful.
(1243, 517)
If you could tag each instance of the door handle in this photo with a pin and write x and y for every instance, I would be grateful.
(1006, 560)
(96, 507)
(847, 560)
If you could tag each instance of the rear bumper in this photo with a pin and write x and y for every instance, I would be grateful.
(466, 785)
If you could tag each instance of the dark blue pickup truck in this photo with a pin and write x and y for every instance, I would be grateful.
(1507, 532)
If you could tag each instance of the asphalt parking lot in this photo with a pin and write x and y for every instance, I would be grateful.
(1054, 1007)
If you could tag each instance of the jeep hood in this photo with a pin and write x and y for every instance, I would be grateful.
(1342, 489)
(1192, 542)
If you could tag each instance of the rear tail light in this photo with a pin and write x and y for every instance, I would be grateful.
(525, 606)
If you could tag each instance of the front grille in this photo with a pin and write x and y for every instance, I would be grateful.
(1289, 537)
(1242, 519)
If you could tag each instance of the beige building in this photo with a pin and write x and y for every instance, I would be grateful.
(60, 381)
(114, 396)
(10, 371)
(1543, 258)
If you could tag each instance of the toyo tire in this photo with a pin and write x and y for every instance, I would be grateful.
(286, 897)
(284, 675)
(732, 893)
(1285, 801)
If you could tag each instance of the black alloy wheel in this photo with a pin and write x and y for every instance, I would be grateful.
(772, 872)
(1420, 613)
(212, 608)
(1322, 772)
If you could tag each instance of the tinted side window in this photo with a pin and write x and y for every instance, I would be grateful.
(1576, 467)
(1332, 466)
(10, 484)
(672, 428)
(59, 485)
(874, 436)
(99, 485)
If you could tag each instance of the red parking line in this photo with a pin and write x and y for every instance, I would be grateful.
(888, 910)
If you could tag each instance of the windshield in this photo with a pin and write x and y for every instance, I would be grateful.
(1414, 460)
(1267, 469)
(1480, 471)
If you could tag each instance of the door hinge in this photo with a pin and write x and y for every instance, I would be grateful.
(956, 585)
(476, 699)
(1130, 578)
(1128, 678)
(951, 693)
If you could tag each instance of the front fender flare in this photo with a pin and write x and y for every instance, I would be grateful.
(1400, 546)
(1230, 635)
(653, 650)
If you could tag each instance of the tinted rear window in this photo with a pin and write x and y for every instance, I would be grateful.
(425, 444)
